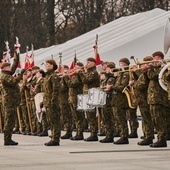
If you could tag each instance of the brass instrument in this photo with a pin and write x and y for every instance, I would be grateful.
(152, 61)
(129, 92)
(124, 69)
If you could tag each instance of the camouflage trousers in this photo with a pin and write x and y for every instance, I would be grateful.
(158, 114)
(79, 118)
(115, 122)
(93, 123)
(53, 115)
(120, 116)
(132, 118)
(9, 121)
(107, 116)
(66, 117)
(32, 110)
(147, 124)
(25, 117)
(44, 122)
(168, 120)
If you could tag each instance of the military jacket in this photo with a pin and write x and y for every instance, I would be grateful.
(11, 90)
(39, 87)
(119, 99)
(90, 79)
(110, 80)
(51, 89)
(141, 89)
(156, 95)
(64, 89)
(166, 81)
(75, 87)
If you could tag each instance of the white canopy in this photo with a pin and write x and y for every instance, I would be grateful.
(138, 35)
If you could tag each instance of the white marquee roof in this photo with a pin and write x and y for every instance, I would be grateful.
(137, 35)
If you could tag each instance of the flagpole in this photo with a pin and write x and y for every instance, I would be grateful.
(97, 109)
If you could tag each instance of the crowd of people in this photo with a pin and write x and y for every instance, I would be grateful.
(127, 88)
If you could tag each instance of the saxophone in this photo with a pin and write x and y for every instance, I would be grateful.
(129, 92)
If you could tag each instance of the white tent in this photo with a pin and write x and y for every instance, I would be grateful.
(138, 35)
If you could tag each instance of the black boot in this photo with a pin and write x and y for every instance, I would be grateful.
(117, 134)
(36, 133)
(133, 135)
(52, 143)
(102, 133)
(66, 136)
(122, 141)
(11, 142)
(159, 143)
(43, 133)
(77, 137)
(91, 138)
(145, 142)
(106, 140)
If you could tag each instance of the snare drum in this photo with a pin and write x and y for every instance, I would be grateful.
(96, 97)
(82, 103)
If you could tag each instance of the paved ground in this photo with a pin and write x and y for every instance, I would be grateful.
(31, 154)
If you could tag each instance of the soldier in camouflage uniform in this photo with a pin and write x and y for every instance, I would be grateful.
(39, 88)
(141, 88)
(75, 88)
(23, 106)
(157, 99)
(30, 99)
(166, 80)
(10, 89)
(91, 79)
(64, 105)
(51, 101)
(107, 110)
(119, 101)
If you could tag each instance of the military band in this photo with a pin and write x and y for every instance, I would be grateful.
(126, 87)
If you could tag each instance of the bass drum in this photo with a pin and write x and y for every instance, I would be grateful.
(161, 82)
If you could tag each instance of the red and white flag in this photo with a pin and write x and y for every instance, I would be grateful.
(29, 59)
(6, 53)
(97, 58)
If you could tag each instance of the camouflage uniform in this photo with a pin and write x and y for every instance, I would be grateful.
(91, 80)
(107, 115)
(51, 103)
(119, 102)
(43, 126)
(31, 104)
(157, 99)
(141, 87)
(133, 121)
(75, 88)
(10, 89)
(166, 79)
(24, 110)
(65, 108)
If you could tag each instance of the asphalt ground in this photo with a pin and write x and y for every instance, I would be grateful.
(32, 154)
